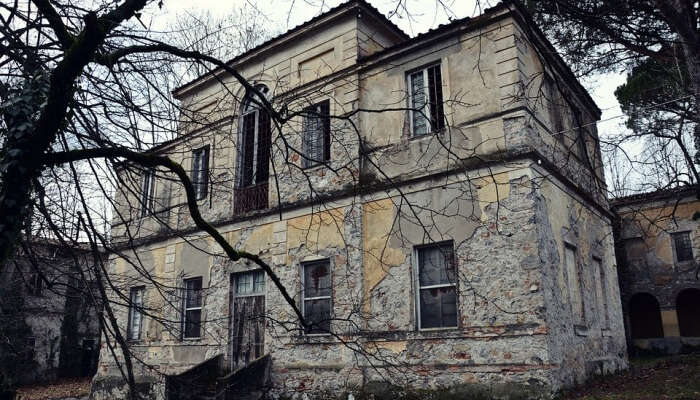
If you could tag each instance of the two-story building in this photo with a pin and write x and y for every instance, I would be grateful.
(658, 244)
(434, 205)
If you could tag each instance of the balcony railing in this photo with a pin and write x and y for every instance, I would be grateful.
(250, 198)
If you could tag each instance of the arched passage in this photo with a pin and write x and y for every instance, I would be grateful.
(688, 311)
(645, 317)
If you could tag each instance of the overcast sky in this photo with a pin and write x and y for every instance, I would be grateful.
(286, 14)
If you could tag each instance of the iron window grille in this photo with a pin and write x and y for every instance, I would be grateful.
(683, 246)
(436, 280)
(316, 296)
(425, 100)
(316, 134)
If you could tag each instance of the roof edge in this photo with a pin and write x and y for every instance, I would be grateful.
(331, 14)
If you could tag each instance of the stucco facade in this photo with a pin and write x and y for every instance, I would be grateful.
(659, 248)
(508, 184)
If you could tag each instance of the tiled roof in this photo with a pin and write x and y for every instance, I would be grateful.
(661, 194)
(346, 5)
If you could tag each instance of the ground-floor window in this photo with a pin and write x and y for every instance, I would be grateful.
(192, 312)
(316, 296)
(437, 286)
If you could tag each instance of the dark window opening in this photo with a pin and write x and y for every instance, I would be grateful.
(254, 157)
(316, 134)
(688, 311)
(437, 286)
(192, 308)
(200, 172)
(645, 317)
(316, 296)
(683, 246)
(425, 100)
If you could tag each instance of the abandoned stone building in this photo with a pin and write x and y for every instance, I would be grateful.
(48, 328)
(435, 207)
(659, 252)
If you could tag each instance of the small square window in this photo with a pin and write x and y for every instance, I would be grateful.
(192, 308)
(316, 296)
(316, 134)
(683, 246)
(200, 172)
(135, 313)
(425, 100)
(249, 283)
(437, 286)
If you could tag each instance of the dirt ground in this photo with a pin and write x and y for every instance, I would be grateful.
(660, 378)
(57, 390)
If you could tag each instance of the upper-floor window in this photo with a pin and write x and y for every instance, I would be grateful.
(425, 100)
(554, 105)
(255, 141)
(147, 192)
(200, 171)
(683, 246)
(316, 133)
(437, 286)
(135, 313)
(192, 308)
(316, 296)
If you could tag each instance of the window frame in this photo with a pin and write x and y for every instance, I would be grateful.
(426, 113)
(148, 192)
(579, 317)
(601, 279)
(250, 106)
(304, 299)
(133, 310)
(418, 287)
(201, 188)
(315, 111)
(185, 308)
(676, 259)
(236, 275)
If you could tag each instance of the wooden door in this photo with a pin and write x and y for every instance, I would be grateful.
(247, 322)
